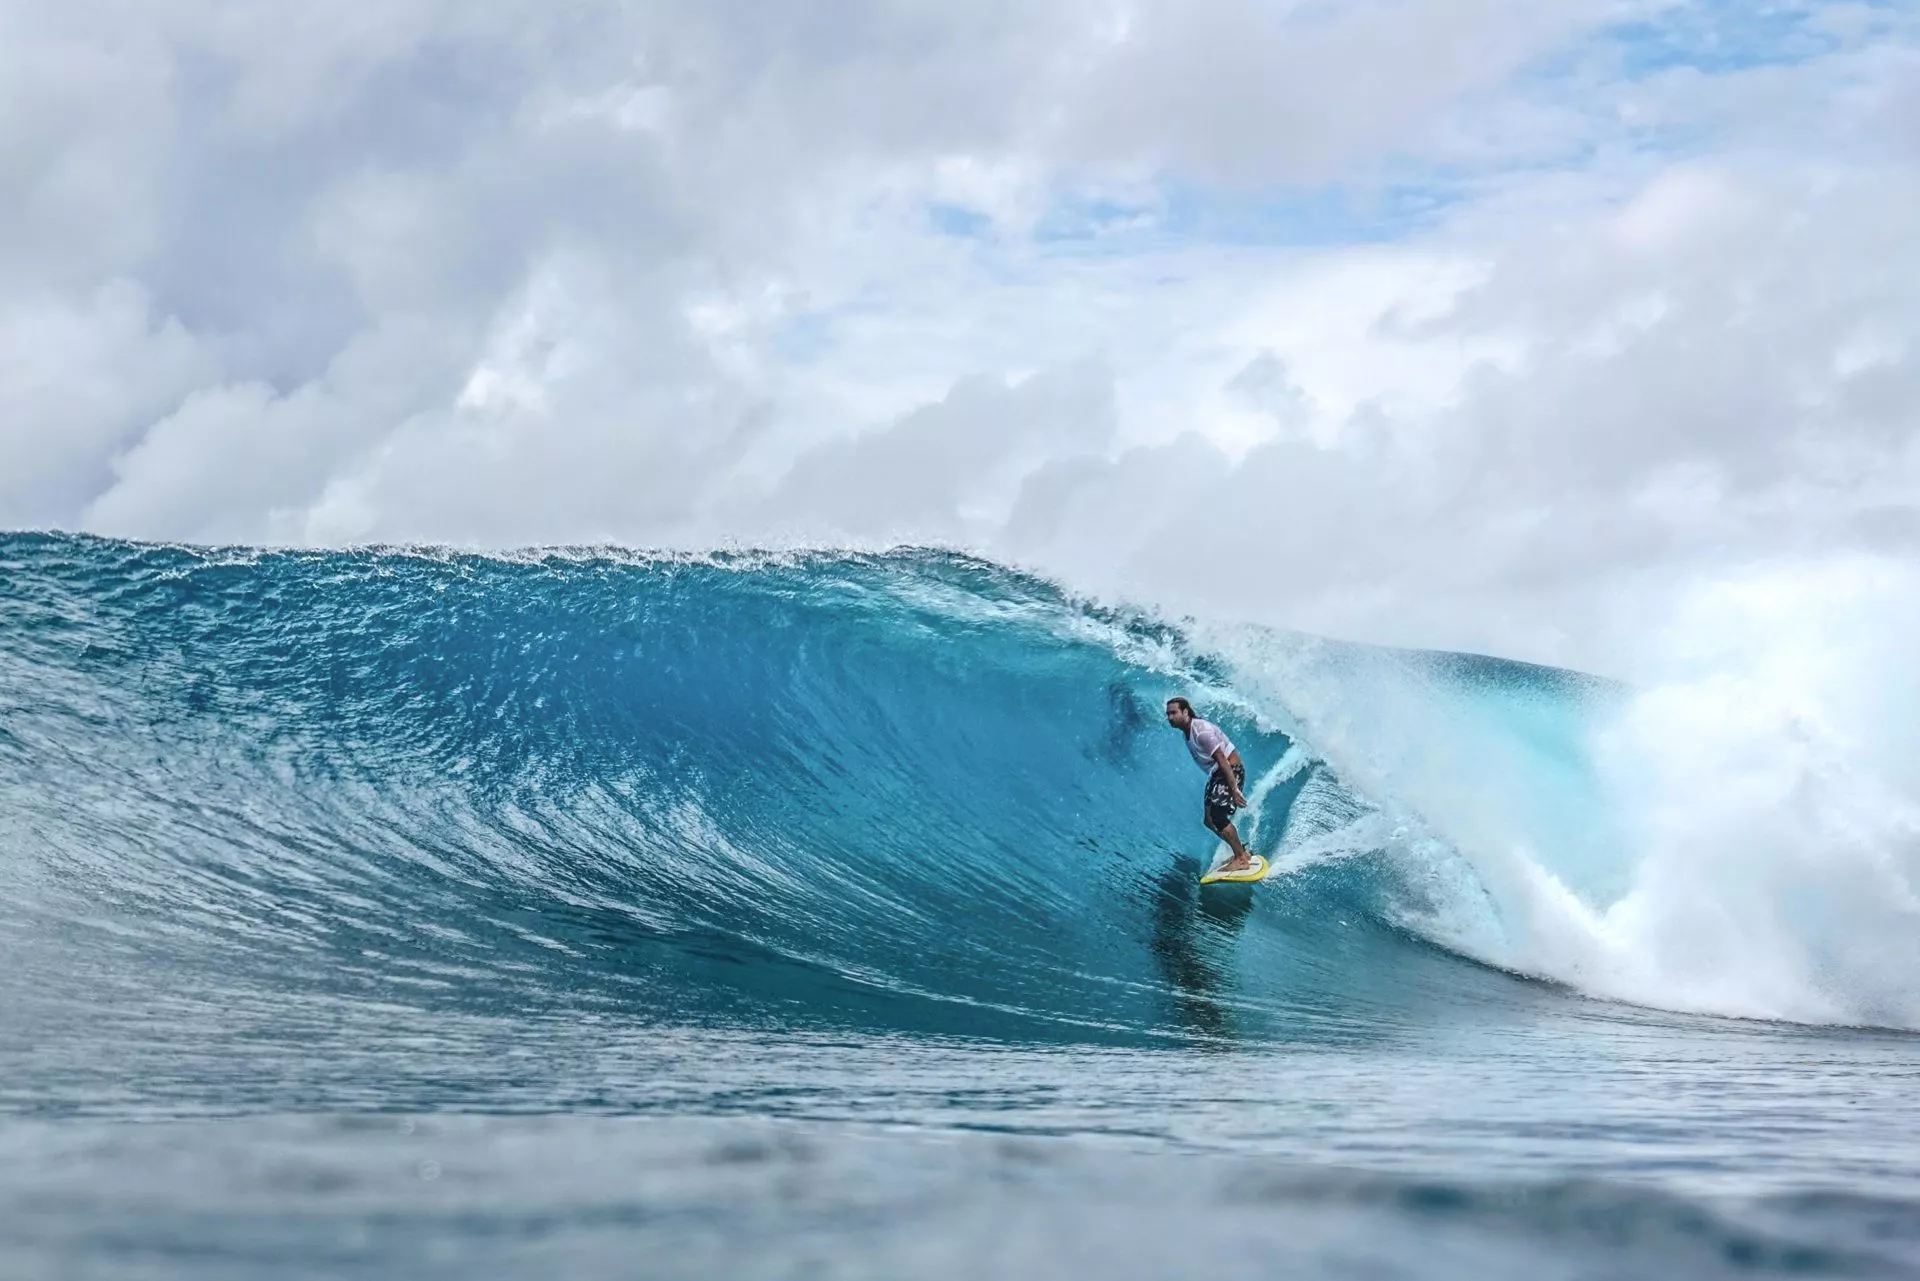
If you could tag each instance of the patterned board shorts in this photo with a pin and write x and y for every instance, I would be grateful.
(1220, 796)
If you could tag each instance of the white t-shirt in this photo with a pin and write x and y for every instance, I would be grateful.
(1203, 739)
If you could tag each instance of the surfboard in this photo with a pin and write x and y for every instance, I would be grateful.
(1245, 876)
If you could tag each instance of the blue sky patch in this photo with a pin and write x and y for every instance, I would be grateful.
(1722, 36)
(958, 220)
(1187, 211)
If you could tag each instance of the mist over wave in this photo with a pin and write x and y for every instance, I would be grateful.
(912, 793)
(1739, 834)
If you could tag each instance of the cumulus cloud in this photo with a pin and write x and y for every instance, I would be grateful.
(84, 374)
(951, 471)
(1444, 323)
(1722, 367)
(1221, 88)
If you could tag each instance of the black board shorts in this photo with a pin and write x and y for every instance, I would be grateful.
(1220, 796)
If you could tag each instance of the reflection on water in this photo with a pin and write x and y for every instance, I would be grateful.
(1191, 931)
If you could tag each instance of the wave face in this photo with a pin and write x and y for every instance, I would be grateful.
(910, 793)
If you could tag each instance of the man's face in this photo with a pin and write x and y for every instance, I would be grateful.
(1178, 717)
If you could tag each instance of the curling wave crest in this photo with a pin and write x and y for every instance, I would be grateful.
(913, 793)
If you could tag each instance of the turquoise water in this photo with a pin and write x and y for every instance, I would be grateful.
(394, 913)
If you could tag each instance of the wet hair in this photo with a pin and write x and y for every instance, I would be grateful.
(1181, 703)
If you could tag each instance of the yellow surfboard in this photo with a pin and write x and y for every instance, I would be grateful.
(1245, 876)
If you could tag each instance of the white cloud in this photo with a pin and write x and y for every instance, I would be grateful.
(85, 375)
(1254, 92)
(952, 471)
(1459, 329)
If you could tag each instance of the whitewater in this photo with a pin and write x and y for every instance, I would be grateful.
(822, 913)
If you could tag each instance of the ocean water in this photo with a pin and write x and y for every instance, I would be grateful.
(399, 913)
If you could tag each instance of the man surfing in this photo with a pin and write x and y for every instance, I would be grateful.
(1214, 752)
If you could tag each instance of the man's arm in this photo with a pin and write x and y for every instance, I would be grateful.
(1226, 772)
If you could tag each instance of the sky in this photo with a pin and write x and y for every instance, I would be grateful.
(1537, 329)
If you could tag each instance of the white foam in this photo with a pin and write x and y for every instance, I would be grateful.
(1740, 835)
(1771, 786)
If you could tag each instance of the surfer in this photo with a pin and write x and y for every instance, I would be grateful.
(1214, 752)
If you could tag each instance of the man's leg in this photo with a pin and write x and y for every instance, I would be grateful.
(1240, 857)
(1219, 821)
